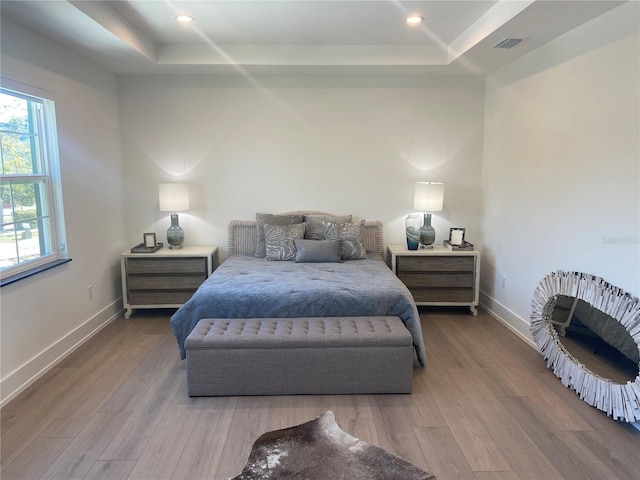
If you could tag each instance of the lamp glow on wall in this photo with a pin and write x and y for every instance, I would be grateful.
(174, 197)
(429, 197)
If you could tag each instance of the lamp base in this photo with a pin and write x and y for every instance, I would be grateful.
(175, 233)
(427, 233)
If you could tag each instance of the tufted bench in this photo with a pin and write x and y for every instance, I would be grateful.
(285, 356)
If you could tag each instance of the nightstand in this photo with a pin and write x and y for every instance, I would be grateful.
(438, 276)
(164, 279)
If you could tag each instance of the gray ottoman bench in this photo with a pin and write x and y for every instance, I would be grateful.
(286, 356)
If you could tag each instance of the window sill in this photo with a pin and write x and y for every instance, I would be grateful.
(29, 273)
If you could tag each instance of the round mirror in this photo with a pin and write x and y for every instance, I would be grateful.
(589, 334)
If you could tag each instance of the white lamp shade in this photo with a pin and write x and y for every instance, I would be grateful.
(429, 196)
(174, 197)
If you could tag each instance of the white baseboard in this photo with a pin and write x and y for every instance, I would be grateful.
(511, 320)
(21, 378)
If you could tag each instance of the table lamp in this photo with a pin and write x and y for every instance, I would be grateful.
(174, 197)
(429, 197)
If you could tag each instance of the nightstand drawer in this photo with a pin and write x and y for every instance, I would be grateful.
(165, 282)
(159, 298)
(440, 295)
(435, 264)
(454, 280)
(166, 265)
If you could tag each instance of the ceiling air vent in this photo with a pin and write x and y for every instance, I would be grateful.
(507, 43)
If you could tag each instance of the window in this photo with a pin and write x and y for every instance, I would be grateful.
(32, 225)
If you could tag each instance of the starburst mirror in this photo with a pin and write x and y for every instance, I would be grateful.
(588, 332)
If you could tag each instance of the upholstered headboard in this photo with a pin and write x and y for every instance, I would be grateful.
(243, 235)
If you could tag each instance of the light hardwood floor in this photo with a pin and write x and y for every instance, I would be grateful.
(485, 407)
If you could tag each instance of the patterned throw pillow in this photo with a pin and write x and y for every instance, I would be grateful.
(266, 218)
(351, 236)
(315, 224)
(279, 241)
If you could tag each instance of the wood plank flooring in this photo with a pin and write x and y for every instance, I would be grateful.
(485, 407)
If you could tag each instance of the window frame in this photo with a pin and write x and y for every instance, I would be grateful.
(50, 178)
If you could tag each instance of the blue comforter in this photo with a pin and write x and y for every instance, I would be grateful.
(249, 287)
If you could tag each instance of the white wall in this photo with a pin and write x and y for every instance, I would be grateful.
(43, 316)
(561, 167)
(279, 144)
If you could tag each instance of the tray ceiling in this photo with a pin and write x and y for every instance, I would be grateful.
(302, 36)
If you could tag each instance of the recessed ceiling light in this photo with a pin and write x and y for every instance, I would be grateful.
(185, 18)
(415, 20)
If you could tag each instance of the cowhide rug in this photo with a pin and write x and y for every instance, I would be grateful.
(320, 450)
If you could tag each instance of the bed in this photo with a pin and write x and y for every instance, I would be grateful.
(245, 286)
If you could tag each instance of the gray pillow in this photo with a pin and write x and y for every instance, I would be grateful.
(317, 251)
(315, 224)
(279, 241)
(351, 236)
(263, 218)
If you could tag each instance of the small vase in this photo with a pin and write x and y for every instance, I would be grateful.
(412, 224)
(427, 233)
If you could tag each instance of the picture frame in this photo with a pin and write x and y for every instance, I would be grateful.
(149, 240)
(456, 235)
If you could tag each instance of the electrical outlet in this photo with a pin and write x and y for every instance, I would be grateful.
(90, 291)
(504, 281)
